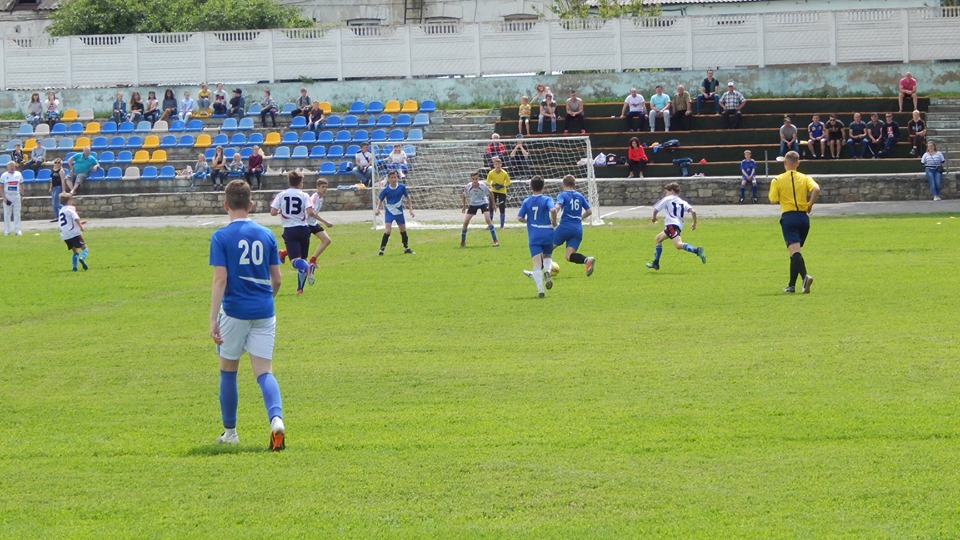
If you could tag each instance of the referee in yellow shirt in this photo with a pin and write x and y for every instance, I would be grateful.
(499, 180)
(796, 193)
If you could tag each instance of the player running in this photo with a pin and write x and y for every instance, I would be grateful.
(293, 207)
(572, 208)
(246, 278)
(480, 199)
(393, 195)
(538, 212)
(675, 209)
(71, 231)
(316, 202)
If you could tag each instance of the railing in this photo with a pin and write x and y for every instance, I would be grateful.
(455, 48)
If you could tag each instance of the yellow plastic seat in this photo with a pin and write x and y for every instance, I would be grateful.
(159, 156)
(325, 107)
(203, 141)
(410, 106)
(272, 139)
(29, 145)
(151, 142)
(92, 128)
(392, 107)
(81, 143)
(142, 156)
(69, 115)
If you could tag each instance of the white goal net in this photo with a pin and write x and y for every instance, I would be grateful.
(439, 170)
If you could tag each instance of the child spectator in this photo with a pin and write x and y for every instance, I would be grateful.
(37, 156)
(168, 107)
(203, 101)
(34, 110)
(186, 108)
(548, 110)
(218, 168)
(119, 109)
(136, 107)
(304, 104)
(201, 171)
(748, 175)
(315, 117)
(397, 161)
(237, 104)
(268, 106)
(235, 168)
(314, 221)
(220, 101)
(917, 130)
(524, 120)
(152, 112)
(52, 109)
(254, 166)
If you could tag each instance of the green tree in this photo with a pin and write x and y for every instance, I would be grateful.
(93, 17)
(605, 9)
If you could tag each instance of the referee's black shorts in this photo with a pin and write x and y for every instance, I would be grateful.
(795, 226)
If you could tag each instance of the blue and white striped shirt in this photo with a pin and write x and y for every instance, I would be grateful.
(934, 160)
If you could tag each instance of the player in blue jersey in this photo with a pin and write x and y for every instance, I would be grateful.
(573, 208)
(675, 209)
(748, 175)
(246, 278)
(393, 196)
(538, 212)
(294, 208)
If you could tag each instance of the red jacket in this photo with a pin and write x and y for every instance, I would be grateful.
(637, 154)
(256, 161)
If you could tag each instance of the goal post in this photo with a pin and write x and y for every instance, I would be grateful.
(439, 170)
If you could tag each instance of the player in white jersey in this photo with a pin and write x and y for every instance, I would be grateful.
(71, 230)
(293, 207)
(477, 197)
(674, 209)
(11, 184)
(316, 202)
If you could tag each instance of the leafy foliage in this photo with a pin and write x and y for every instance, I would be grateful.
(605, 9)
(96, 17)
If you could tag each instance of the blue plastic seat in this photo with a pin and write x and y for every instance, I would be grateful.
(134, 142)
(108, 128)
(345, 167)
(318, 152)
(350, 121)
(106, 157)
(403, 120)
(238, 139)
(208, 153)
(114, 173)
(396, 135)
(194, 125)
(246, 152)
(255, 138)
(149, 173)
(256, 108)
(328, 167)
(229, 124)
(13, 142)
(117, 143)
(96, 175)
(220, 139)
(378, 135)
(421, 120)
(290, 137)
(282, 152)
(168, 141)
(351, 150)
(245, 124)
(415, 134)
(361, 135)
(325, 137)
(299, 152)
(385, 120)
(288, 108)
(126, 127)
(333, 121)
(428, 106)
(229, 152)
(343, 136)
(75, 128)
(177, 126)
(28, 174)
(99, 143)
(167, 172)
(25, 130)
(308, 137)
(335, 151)
(358, 107)
(4, 159)
(370, 122)
(59, 129)
(124, 157)
(66, 143)
(44, 175)
(375, 107)
(143, 126)
(186, 141)
(298, 122)
(49, 143)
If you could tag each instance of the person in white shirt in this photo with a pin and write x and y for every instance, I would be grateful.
(71, 230)
(634, 107)
(674, 209)
(186, 108)
(11, 182)
(363, 162)
(476, 197)
(293, 207)
(316, 202)
(397, 161)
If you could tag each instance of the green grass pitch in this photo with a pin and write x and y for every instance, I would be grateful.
(434, 396)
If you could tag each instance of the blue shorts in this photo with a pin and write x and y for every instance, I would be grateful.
(297, 242)
(572, 236)
(672, 231)
(390, 218)
(795, 226)
(538, 249)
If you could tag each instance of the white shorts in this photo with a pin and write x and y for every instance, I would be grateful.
(254, 336)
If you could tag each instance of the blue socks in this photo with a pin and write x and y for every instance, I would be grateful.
(493, 232)
(271, 395)
(463, 235)
(75, 257)
(742, 189)
(754, 191)
(302, 268)
(656, 253)
(229, 395)
(688, 247)
(83, 253)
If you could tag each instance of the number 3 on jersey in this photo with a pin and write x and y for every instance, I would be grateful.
(248, 251)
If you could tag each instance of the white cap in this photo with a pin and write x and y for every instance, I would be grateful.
(730, 83)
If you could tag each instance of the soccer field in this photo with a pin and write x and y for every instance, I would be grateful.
(434, 395)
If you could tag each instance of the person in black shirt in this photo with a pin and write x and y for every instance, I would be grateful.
(56, 187)
(709, 90)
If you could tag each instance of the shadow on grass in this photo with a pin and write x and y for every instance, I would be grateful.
(216, 450)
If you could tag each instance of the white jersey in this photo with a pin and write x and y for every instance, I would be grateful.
(477, 196)
(316, 202)
(68, 222)
(674, 209)
(12, 184)
(635, 104)
(292, 203)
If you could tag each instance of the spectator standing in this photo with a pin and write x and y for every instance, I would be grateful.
(304, 105)
(363, 165)
(203, 101)
(709, 90)
(268, 106)
(917, 130)
(80, 165)
(152, 113)
(732, 103)
(119, 109)
(218, 168)
(659, 107)
(237, 104)
(636, 158)
(524, 115)
(37, 157)
(875, 136)
(857, 131)
(51, 109)
(57, 176)
(634, 106)
(574, 113)
(315, 118)
(186, 108)
(680, 108)
(933, 161)
(34, 110)
(136, 107)
(815, 137)
(834, 130)
(908, 87)
(255, 166)
(520, 161)
(891, 132)
(494, 150)
(168, 107)
(548, 110)
(788, 137)
(542, 92)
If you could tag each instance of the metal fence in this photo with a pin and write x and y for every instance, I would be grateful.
(728, 41)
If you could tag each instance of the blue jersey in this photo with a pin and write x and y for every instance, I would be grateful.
(536, 210)
(815, 129)
(573, 204)
(748, 167)
(246, 250)
(394, 198)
